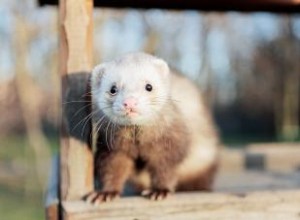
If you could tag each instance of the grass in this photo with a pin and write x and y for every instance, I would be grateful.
(21, 196)
(15, 205)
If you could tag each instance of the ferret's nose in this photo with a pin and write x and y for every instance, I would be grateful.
(130, 103)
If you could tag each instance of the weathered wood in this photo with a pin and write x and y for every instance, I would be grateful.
(75, 26)
(231, 160)
(204, 5)
(76, 41)
(258, 205)
(279, 157)
(249, 181)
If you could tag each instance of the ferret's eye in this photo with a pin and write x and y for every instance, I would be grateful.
(113, 90)
(148, 87)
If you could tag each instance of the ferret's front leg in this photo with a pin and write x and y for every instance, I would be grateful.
(114, 170)
(162, 163)
(163, 181)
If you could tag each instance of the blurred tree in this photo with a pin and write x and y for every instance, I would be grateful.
(276, 71)
(289, 127)
(254, 65)
(28, 95)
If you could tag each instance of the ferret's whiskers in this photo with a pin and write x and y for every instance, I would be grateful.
(88, 117)
(82, 108)
(106, 132)
(70, 102)
(88, 94)
(99, 123)
(109, 134)
(112, 135)
(86, 122)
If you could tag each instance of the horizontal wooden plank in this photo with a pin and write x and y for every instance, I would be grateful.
(279, 157)
(258, 205)
(248, 181)
(204, 5)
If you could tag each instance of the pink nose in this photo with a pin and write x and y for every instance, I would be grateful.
(129, 103)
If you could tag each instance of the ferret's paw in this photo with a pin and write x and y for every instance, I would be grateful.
(99, 197)
(156, 194)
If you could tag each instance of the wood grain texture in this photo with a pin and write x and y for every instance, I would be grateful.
(76, 41)
(271, 205)
(75, 26)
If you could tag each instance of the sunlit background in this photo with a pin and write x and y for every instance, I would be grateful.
(247, 66)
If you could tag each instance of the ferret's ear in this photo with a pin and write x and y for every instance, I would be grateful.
(98, 72)
(162, 66)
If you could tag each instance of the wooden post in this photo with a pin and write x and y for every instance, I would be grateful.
(76, 163)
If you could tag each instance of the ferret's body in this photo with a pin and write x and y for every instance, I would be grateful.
(197, 170)
(153, 129)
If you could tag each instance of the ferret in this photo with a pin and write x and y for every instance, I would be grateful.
(153, 129)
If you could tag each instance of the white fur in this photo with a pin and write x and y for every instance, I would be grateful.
(204, 139)
(130, 74)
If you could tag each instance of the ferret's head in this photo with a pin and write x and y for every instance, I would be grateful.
(131, 90)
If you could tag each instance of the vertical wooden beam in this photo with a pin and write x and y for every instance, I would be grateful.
(76, 163)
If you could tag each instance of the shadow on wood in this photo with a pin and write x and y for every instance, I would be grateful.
(77, 107)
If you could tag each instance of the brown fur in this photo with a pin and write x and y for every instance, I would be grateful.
(201, 181)
(125, 151)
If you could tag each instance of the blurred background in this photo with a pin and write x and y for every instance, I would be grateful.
(246, 64)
